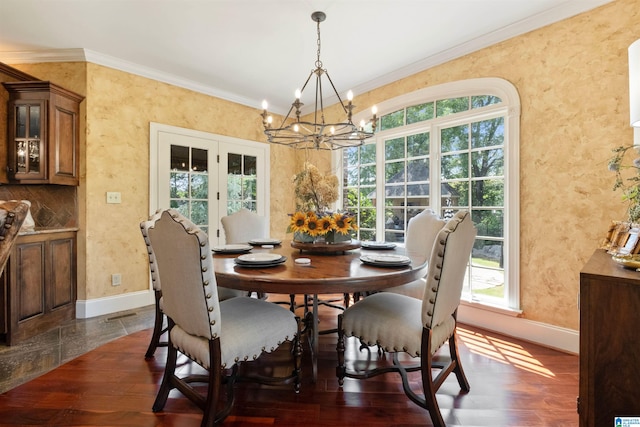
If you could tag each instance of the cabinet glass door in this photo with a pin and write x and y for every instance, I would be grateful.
(28, 139)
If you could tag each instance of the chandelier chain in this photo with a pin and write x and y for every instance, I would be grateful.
(318, 62)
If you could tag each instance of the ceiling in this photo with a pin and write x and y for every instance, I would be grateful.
(249, 50)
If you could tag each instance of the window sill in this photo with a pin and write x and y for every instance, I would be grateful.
(493, 308)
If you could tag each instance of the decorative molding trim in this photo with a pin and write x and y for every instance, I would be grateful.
(563, 339)
(107, 305)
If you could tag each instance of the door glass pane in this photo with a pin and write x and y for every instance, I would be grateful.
(199, 160)
(242, 190)
(179, 158)
(189, 184)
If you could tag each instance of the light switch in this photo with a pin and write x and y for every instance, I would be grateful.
(113, 197)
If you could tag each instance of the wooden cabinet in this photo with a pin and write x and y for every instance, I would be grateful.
(609, 342)
(40, 284)
(43, 133)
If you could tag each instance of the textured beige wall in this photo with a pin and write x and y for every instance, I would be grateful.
(572, 79)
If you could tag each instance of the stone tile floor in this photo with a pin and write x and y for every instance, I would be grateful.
(31, 358)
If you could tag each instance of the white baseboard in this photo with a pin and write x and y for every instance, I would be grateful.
(563, 339)
(107, 305)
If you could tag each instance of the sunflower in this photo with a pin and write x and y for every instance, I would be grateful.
(341, 223)
(313, 226)
(324, 224)
(298, 222)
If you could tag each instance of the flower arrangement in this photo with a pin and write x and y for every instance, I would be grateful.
(629, 185)
(321, 224)
(314, 193)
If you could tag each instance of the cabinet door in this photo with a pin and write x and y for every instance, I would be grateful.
(28, 265)
(63, 141)
(27, 134)
(61, 269)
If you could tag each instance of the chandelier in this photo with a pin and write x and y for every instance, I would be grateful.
(318, 134)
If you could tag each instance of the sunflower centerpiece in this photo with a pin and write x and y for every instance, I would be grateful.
(313, 221)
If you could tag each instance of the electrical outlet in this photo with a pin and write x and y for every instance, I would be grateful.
(113, 197)
(116, 279)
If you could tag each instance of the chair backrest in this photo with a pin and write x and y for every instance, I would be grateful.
(12, 215)
(153, 265)
(422, 230)
(244, 225)
(447, 268)
(185, 268)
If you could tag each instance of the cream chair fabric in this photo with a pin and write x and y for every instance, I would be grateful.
(218, 335)
(244, 225)
(159, 323)
(422, 230)
(419, 327)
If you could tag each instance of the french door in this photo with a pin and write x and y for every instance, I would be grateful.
(207, 176)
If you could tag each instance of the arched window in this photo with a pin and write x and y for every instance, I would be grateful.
(447, 147)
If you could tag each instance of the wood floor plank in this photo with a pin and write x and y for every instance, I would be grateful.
(513, 383)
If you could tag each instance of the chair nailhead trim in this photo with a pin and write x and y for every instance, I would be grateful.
(210, 309)
(204, 269)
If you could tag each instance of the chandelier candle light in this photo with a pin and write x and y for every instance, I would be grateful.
(318, 134)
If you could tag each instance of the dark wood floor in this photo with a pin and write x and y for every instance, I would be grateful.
(513, 383)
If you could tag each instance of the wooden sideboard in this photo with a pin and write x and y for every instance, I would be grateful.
(609, 342)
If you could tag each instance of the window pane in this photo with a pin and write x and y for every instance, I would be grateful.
(350, 156)
(419, 113)
(394, 172)
(368, 153)
(487, 133)
(234, 187)
(368, 175)
(394, 149)
(455, 138)
(487, 163)
(488, 192)
(179, 158)
(455, 194)
(198, 160)
(250, 165)
(234, 164)
(484, 100)
(392, 120)
(199, 212)
(418, 145)
(455, 166)
(181, 206)
(417, 170)
(179, 185)
(351, 176)
(489, 223)
(444, 107)
(249, 189)
(199, 186)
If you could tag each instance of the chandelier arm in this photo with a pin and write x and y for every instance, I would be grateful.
(337, 94)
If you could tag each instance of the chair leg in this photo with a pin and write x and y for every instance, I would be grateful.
(157, 328)
(428, 387)
(167, 379)
(297, 356)
(213, 386)
(455, 358)
(340, 369)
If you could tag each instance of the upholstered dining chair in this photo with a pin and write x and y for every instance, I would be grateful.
(12, 215)
(244, 225)
(217, 335)
(418, 327)
(159, 328)
(422, 230)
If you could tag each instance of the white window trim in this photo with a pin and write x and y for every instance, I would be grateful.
(511, 104)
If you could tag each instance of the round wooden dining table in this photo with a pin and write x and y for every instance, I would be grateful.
(328, 272)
